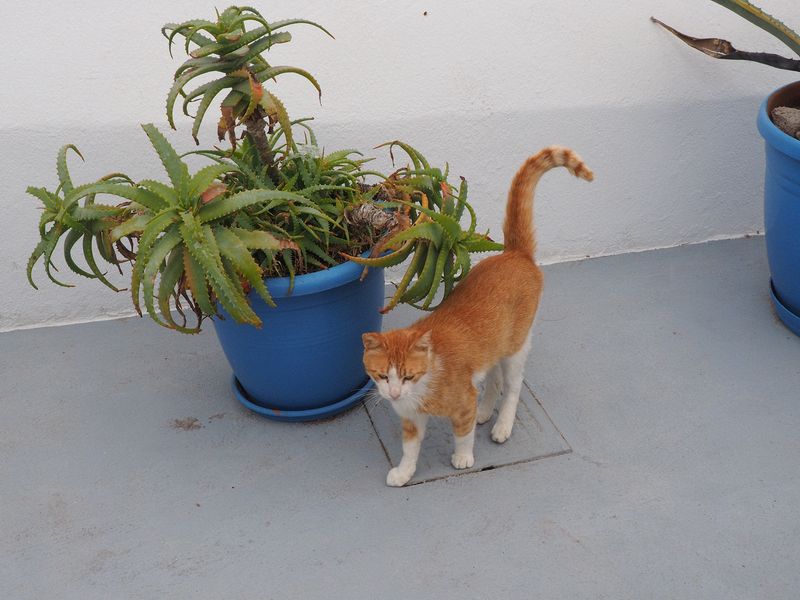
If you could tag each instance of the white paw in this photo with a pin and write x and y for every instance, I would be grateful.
(462, 461)
(397, 478)
(484, 414)
(501, 432)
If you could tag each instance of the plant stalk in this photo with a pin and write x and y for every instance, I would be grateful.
(256, 126)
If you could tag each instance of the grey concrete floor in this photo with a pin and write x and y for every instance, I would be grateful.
(127, 470)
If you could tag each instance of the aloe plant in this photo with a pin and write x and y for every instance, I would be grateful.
(227, 47)
(185, 231)
(269, 206)
(431, 236)
(723, 49)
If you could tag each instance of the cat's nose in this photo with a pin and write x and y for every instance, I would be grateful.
(394, 393)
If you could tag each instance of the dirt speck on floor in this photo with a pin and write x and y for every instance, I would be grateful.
(216, 416)
(187, 424)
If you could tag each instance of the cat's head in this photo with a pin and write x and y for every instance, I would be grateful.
(398, 361)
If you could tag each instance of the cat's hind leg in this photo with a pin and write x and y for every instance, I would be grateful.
(513, 367)
(491, 393)
(413, 433)
(463, 421)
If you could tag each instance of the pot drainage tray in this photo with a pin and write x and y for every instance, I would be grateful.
(534, 437)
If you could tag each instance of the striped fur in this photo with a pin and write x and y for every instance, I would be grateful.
(518, 230)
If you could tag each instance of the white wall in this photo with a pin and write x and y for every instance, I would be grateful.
(670, 133)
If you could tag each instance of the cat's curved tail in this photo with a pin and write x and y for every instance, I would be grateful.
(518, 227)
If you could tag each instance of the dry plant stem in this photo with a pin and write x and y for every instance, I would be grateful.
(723, 49)
(256, 130)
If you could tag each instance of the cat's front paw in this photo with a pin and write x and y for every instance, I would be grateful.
(397, 477)
(484, 414)
(501, 432)
(462, 461)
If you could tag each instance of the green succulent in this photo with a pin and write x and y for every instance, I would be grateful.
(328, 184)
(723, 49)
(228, 48)
(186, 237)
(269, 206)
(63, 215)
(439, 249)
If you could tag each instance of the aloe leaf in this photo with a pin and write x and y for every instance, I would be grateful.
(723, 49)
(206, 176)
(121, 190)
(286, 22)
(389, 260)
(38, 251)
(441, 260)
(176, 169)
(473, 220)
(265, 44)
(450, 226)
(763, 20)
(170, 278)
(155, 261)
(233, 275)
(168, 195)
(311, 246)
(50, 201)
(261, 240)
(272, 72)
(463, 262)
(428, 231)
(181, 81)
(212, 91)
(315, 189)
(195, 63)
(462, 199)
(197, 284)
(70, 240)
(52, 241)
(92, 212)
(482, 245)
(417, 263)
(225, 206)
(178, 29)
(255, 93)
(286, 257)
(155, 227)
(417, 159)
(424, 281)
(232, 247)
(201, 243)
(227, 47)
(88, 256)
(449, 275)
(135, 224)
(61, 167)
(274, 106)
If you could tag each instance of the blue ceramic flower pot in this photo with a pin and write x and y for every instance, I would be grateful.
(782, 207)
(305, 362)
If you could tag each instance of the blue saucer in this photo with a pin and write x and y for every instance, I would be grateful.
(310, 414)
(791, 320)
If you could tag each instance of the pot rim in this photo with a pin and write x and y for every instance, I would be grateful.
(771, 133)
(316, 282)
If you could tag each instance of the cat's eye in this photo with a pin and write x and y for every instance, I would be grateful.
(408, 378)
(384, 377)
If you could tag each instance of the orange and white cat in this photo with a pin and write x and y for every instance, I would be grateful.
(481, 331)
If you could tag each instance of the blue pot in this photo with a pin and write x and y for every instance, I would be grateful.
(782, 207)
(305, 362)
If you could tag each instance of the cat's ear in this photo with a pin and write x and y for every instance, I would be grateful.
(423, 343)
(372, 341)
